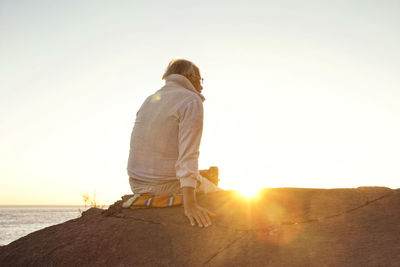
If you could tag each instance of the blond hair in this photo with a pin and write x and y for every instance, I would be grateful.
(183, 67)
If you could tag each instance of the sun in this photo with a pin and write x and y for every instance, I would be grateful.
(245, 188)
(248, 191)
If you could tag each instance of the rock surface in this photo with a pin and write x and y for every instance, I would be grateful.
(282, 227)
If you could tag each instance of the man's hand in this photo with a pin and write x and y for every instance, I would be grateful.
(194, 212)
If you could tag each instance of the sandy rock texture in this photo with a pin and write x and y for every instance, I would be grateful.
(281, 227)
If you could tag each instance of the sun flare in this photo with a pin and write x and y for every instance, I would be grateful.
(248, 191)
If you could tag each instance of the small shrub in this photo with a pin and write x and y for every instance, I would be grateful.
(90, 202)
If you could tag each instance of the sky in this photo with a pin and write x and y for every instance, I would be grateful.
(298, 93)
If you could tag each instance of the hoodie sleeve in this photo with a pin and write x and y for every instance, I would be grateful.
(189, 137)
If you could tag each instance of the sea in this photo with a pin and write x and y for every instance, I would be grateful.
(18, 221)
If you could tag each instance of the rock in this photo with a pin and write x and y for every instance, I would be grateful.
(282, 227)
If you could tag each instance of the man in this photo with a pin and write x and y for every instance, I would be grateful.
(165, 141)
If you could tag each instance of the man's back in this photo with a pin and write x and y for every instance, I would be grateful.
(166, 137)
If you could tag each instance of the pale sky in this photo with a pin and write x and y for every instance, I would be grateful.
(298, 93)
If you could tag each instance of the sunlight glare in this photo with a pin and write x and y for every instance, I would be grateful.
(248, 191)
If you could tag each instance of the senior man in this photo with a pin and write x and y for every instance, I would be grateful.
(165, 141)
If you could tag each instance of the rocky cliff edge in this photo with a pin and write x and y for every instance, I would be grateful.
(281, 227)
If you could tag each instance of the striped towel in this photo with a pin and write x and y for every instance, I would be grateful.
(138, 201)
(151, 201)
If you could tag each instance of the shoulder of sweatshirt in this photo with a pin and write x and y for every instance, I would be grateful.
(180, 94)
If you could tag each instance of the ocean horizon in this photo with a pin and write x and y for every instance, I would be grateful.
(17, 221)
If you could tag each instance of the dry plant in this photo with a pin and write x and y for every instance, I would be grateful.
(90, 202)
(85, 198)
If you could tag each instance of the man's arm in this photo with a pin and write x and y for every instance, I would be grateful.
(189, 137)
